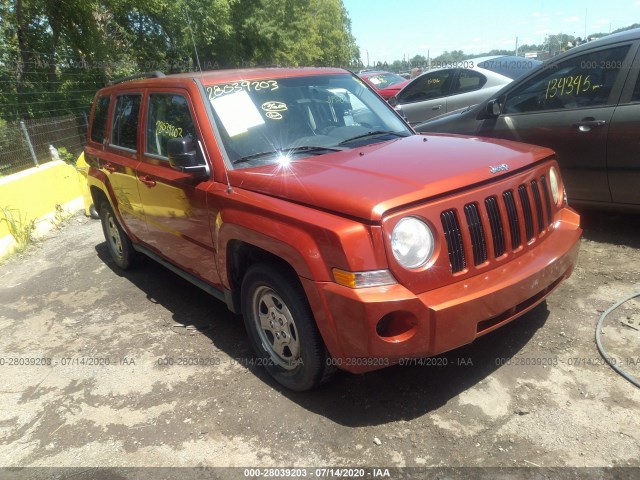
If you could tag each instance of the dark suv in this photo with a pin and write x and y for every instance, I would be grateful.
(305, 202)
(585, 105)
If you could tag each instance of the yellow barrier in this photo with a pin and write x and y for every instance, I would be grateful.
(35, 195)
(83, 171)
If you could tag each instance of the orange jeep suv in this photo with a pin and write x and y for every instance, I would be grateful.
(306, 203)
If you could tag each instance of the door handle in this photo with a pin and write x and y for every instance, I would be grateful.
(586, 124)
(109, 168)
(147, 180)
(437, 107)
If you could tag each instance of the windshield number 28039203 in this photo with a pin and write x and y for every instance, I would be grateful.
(246, 85)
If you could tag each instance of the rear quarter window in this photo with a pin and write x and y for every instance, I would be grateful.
(99, 123)
(468, 81)
(635, 96)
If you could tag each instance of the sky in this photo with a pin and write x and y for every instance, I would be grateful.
(391, 29)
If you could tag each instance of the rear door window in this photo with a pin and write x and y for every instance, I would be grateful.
(169, 117)
(125, 121)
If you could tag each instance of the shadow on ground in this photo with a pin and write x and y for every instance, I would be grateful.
(611, 227)
(392, 394)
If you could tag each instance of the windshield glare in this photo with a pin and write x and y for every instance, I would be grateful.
(260, 121)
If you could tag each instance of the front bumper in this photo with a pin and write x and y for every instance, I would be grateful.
(415, 326)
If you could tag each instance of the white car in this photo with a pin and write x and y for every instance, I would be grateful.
(454, 85)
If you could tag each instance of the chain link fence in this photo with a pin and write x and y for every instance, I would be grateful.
(29, 143)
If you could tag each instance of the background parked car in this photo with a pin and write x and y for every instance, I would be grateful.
(584, 104)
(387, 84)
(452, 86)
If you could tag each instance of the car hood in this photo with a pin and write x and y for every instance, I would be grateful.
(368, 181)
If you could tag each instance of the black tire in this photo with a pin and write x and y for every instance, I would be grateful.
(298, 358)
(120, 247)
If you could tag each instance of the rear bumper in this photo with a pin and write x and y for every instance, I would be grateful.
(442, 319)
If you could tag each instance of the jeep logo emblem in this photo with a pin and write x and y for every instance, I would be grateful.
(499, 168)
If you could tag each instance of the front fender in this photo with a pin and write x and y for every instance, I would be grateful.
(305, 257)
(311, 241)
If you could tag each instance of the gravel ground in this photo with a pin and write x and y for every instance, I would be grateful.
(109, 387)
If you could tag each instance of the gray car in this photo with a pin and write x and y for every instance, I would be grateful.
(584, 104)
(454, 85)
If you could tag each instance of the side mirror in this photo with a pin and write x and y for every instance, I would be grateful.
(493, 108)
(393, 101)
(183, 156)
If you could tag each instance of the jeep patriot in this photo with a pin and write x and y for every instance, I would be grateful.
(307, 204)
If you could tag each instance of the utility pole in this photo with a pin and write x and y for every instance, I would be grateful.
(585, 24)
(367, 58)
(516, 46)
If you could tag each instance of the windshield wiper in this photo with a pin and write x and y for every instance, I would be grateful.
(287, 151)
(373, 134)
(312, 148)
(248, 158)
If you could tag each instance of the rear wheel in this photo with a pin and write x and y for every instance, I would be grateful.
(120, 247)
(282, 329)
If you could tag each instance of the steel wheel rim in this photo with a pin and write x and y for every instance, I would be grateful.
(276, 328)
(113, 235)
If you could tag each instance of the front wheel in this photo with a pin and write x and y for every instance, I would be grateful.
(282, 329)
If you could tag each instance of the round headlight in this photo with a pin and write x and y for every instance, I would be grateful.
(555, 185)
(412, 242)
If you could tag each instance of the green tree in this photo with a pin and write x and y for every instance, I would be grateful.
(54, 54)
(292, 32)
(452, 56)
(418, 61)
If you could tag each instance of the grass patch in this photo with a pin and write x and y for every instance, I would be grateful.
(20, 226)
(60, 216)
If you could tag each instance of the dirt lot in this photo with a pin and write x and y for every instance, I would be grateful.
(554, 403)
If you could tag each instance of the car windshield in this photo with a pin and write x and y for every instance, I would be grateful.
(264, 121)
(384, 80)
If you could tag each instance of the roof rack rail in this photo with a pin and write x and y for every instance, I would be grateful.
(155, 74)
